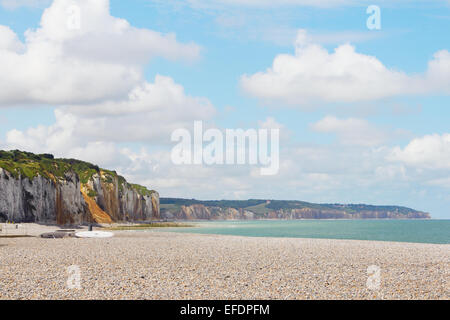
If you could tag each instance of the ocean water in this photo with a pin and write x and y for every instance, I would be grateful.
(423, 231)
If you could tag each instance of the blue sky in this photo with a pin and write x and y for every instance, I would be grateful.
(383, 138)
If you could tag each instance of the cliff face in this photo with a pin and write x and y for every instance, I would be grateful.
(38, 188)
(120, 200)
(199, 212)
(307, 213)
(263, 209)
(41, 199)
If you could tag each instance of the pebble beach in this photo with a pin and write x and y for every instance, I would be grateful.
(163, 265)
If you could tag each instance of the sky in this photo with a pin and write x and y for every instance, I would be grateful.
(363, 113)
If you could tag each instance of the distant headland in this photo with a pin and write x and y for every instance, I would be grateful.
(190, 209)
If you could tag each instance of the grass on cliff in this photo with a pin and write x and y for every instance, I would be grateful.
(29, 165)
(152, 225)
(143, 191)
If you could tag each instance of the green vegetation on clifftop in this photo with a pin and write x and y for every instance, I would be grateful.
(29, 165)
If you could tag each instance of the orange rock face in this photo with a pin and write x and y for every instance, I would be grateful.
(95, 212)
(111, 200)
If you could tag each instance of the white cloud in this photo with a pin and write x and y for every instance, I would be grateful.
(60, 63)
(437, 77)
(270, 123)
(351, 131)
(58, 138)
(390, 172)
(427, 152)
(313, 74)
(105, 153)
(164, 98)
(149, 114)
(14, 4)
(9, 40)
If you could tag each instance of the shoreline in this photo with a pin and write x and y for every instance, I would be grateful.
(36, 229)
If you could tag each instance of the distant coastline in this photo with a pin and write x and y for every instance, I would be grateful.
(258, 209)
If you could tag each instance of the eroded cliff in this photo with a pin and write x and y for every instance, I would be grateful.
(39, 188)
(120, 200)
(41, 199)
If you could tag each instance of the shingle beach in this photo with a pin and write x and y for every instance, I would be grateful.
(163, 265)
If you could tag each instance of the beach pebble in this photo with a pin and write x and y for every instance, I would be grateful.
(159, 265)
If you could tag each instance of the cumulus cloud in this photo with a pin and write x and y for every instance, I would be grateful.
(351, 131)
(9, 40)
(164, 98)
(427, 152)
(313, 74)
(80, 54)
(58, 137)
(149, 114)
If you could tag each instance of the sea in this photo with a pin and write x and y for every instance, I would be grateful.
(420, 231)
